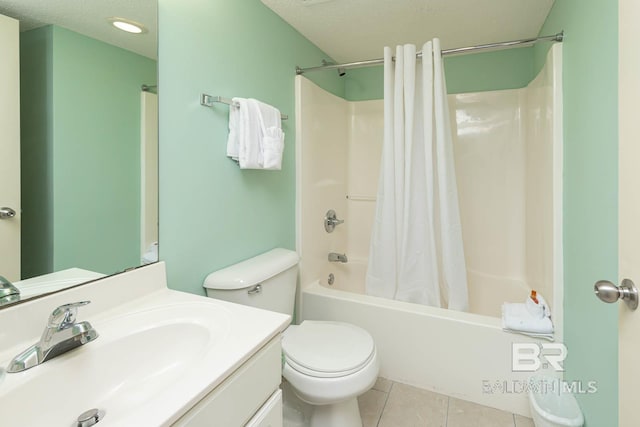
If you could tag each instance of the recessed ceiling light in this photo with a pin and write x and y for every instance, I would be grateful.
(128, 25)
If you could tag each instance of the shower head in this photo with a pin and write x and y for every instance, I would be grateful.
(341, 71)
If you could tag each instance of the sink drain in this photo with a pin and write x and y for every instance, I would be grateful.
(90, 418)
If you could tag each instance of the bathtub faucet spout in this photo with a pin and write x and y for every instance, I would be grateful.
(335, 257)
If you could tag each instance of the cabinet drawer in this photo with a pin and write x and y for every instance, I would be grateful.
(238, 398)
(270, 415)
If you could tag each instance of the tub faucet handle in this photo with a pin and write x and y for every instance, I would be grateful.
(331, 220)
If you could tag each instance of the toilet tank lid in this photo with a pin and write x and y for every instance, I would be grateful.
(252, 271)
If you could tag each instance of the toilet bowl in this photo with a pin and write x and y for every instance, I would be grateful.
(551, 406)
(327, 364)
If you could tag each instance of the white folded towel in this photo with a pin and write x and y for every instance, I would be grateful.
(250, 135)
(517, 318)
(233, 142)
(272, 136)
(256, 139)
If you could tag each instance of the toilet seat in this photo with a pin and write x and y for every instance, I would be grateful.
(328, 363)
(323, 349)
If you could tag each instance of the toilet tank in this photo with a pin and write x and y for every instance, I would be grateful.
(267, 281)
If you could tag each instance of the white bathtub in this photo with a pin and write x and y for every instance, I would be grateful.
(486, 292)
(459, 354)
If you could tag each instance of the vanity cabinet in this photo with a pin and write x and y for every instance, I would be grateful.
(199, 361)
(250, 396)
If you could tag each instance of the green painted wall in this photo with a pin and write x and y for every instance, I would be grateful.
(505, 69)
(590, 83)
(88, 189)
(212, 214)
(362, 84)
(36, 139)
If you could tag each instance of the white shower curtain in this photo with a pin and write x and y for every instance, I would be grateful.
(416, 252)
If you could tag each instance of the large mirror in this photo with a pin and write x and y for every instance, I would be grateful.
(86, 201)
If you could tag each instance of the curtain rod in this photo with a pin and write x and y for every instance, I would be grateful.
(458, 50)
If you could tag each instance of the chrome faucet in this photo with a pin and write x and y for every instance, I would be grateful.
(8, 292)
(61, 334)
(335, 257)
(331, 221)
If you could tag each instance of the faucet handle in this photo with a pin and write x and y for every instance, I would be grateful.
(7, 288)
(65, 315)
(331, 220)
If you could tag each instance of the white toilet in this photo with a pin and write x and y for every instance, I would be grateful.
(327, 364)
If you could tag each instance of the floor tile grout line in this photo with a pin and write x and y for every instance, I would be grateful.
(384, 405)
(448, 406)
(446, 412)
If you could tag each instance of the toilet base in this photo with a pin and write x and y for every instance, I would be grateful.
(343, 414)
(302, 414)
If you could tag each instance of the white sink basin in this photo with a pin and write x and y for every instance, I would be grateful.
(137, 358)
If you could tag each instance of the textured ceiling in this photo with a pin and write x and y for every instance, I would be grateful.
(352, 30)
(89, 17)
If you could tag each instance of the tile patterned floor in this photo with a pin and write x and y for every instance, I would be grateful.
(392, 404)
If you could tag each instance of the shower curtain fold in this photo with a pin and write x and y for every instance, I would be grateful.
(416, 252)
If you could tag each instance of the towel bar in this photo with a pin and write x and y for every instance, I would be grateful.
(208, 101)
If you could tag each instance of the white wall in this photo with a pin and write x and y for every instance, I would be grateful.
(490, 169)
(10, 146)
(321, 175)
(544, 179)
(628, 207)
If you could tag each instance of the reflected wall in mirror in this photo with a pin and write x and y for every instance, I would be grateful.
(88, 148)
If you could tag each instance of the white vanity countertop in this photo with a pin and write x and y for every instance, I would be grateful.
(159, 351)
(55, 281)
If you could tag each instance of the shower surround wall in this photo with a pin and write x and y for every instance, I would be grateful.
(509, 169)
(505, 163)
